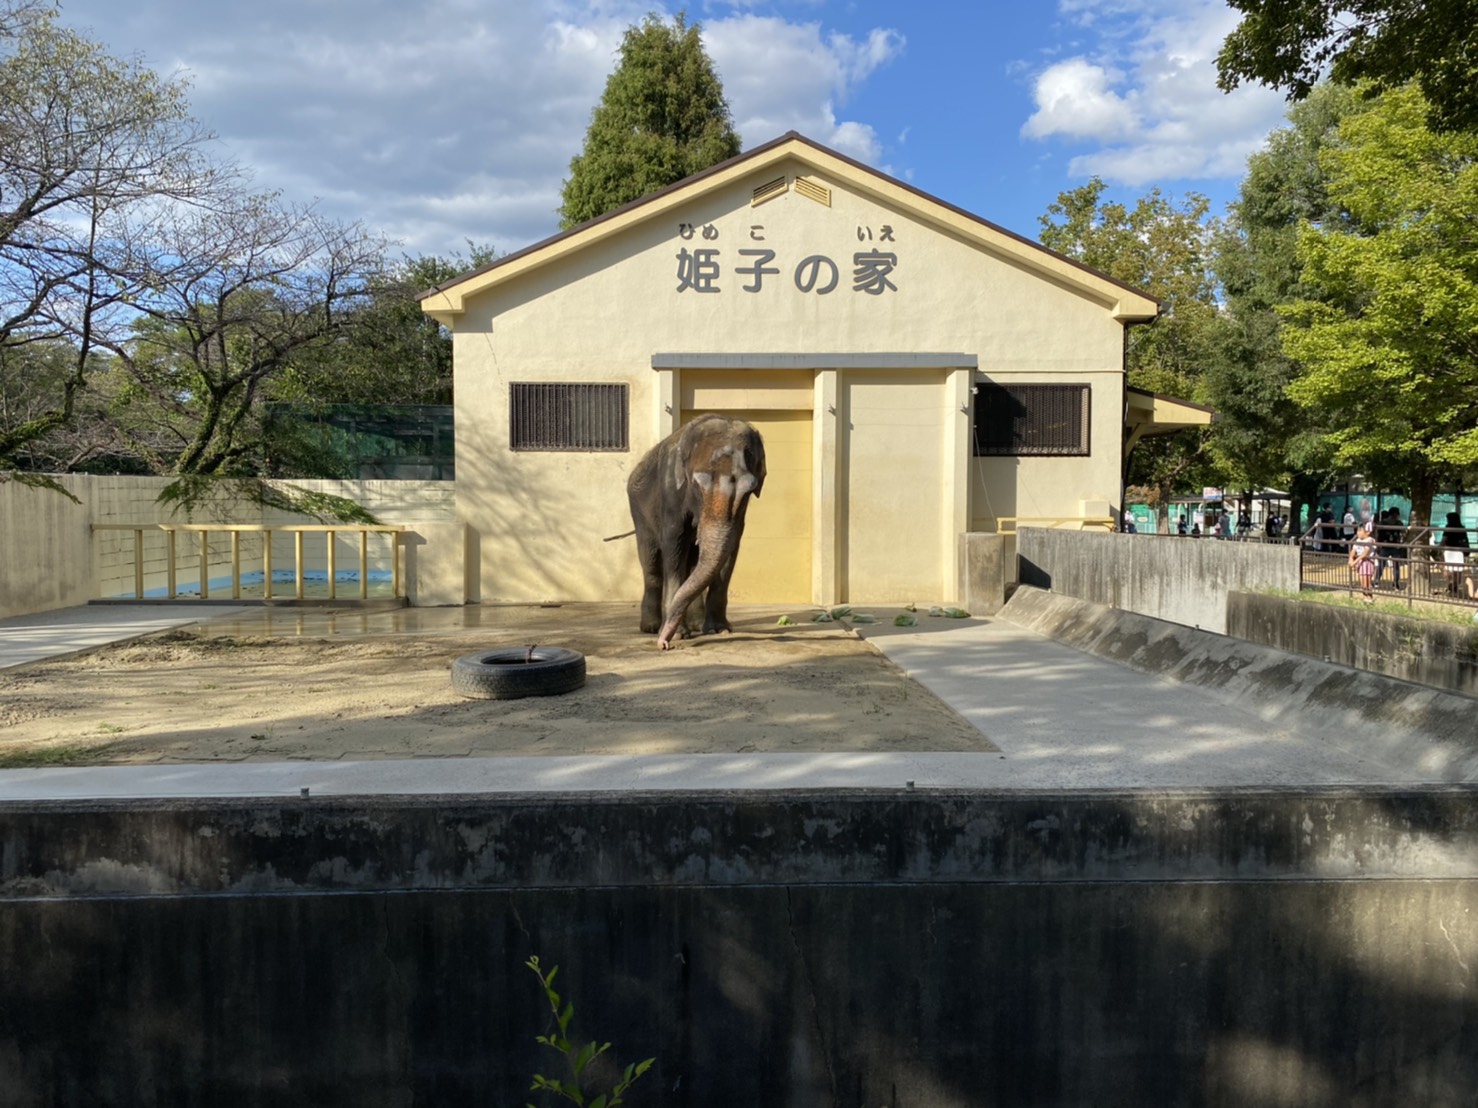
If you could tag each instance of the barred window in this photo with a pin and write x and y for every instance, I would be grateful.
(547, 416)
(1021, 420)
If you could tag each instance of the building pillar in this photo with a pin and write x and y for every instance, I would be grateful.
(825, 550)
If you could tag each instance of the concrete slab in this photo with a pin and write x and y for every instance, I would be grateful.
(1401, 722)
(67, 631)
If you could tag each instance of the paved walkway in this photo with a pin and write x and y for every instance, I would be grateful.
(1062, 718)
(69, 631)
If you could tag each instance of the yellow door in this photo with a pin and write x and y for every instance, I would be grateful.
(775, 555)
(891, 480)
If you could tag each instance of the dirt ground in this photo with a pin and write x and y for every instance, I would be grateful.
(285, 684)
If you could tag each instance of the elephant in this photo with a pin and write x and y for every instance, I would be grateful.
(688, 496)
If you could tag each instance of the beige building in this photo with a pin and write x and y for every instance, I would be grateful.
(916, 373)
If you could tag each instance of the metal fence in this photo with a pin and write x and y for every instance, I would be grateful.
(1421, 569)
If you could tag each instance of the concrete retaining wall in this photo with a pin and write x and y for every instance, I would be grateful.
(1398, 722)
(1444, 655)
(982, 585)
(53, 558)
(1167, 577)
(817, 949)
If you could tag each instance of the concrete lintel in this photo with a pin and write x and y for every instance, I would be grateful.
(917, 360)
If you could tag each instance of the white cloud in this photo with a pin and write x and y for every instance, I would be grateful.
(783, 76)
(436, 138)
(1074, 98)
(1144, 97)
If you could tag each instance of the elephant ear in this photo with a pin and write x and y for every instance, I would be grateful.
(681, 456)
(754, 458)
(677, 476)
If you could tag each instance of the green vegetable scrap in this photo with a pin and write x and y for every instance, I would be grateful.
(864, 617)
(785, 621)
(907, 619)
(821, 617)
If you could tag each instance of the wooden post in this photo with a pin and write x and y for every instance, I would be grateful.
(171, 574)
(235, 565)
(363, 565)
(266, 565)
(138, 563)
(333, 570)
(204, 565)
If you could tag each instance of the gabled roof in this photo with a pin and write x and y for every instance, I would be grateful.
(1126, 303)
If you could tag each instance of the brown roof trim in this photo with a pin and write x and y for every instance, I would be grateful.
(789, 136)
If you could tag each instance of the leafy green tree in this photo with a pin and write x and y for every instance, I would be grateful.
(1162, 248)
(1388, 344)
(1292, 44)
(1262, 439)
(387, 351)
(662, 117)
(92, 148)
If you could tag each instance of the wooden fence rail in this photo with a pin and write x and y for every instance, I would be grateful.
(331, 531)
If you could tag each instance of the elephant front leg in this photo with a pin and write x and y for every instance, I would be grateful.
(691, 620)
(679, 557)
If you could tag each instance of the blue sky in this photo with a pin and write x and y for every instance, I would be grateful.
(447, 121)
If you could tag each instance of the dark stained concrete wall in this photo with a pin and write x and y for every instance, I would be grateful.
(1444, 655)
(791, 948)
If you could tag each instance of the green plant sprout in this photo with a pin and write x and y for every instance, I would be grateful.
(579, 1059)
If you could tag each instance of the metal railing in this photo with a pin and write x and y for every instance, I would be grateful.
(1416, 570)
(234, 531)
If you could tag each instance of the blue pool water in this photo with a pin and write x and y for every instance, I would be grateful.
(346, 582)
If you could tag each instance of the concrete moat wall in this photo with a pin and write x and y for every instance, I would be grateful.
(1427, 651)
(1182, 580)
(793, 948)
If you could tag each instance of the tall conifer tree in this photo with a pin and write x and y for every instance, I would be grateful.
(662, 117)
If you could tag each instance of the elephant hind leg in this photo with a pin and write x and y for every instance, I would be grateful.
(650, 559)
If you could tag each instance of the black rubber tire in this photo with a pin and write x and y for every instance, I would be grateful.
(510, 672)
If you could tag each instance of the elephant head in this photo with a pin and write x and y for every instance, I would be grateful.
(689, 496)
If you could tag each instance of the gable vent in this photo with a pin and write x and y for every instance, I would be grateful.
(811, 190)
(769, 191)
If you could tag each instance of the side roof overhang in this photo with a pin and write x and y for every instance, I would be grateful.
(1126, 304)
(1150, 413)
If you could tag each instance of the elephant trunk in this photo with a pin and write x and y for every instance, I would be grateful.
(718, 537)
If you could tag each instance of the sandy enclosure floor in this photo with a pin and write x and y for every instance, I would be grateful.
(293, 683)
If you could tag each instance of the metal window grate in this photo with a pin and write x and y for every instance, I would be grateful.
(568, 417)
(1020, 420)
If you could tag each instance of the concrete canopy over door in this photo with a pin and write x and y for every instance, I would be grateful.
(775, 558)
